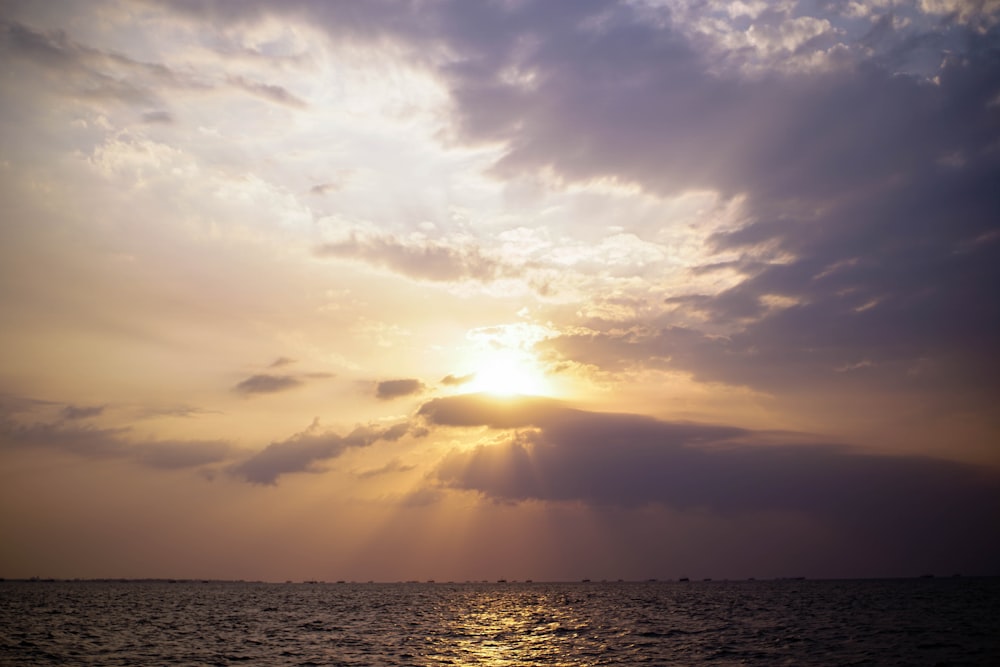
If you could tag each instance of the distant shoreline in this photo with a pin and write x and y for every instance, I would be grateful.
(501, 582)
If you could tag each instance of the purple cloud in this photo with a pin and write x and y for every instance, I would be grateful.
(91, 442)
(898, 503)
(457, 380)
(158, 117)
(73, 412)
(264, 383)
(304, 451)
(427, 260)
(390, 389)
(269, 92)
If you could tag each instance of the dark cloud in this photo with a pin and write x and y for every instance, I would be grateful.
(869, 164)
(338, 180)
(888, 178)
(280, 362)
(870, 198)
(263, 383)
(81, 411)
(180, 411)
(269, 92)
(324, 188)
(13, 404)
(390, 389)
(82, 440)
(88, 72)
(158, 117)
(303, 451)
(180, 454)
(392, 466)
(457, 380)
(892, 291)
(593, 89)
(868, 183)
(52, 49)
(870, 202)
(397, 431)
(495, 412)
(560, 454)
(638, 100)
(95, 73)
(112, 443)
(424, 260)
(365, 21)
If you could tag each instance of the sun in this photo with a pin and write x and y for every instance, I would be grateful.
(509, 373)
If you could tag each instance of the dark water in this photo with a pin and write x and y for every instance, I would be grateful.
(890, 622)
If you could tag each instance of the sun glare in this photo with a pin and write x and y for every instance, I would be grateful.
(509, 373)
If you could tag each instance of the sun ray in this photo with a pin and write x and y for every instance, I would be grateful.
(509, 373)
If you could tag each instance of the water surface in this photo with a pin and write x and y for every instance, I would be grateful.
(869, 622)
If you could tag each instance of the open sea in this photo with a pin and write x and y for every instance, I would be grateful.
(953, 621)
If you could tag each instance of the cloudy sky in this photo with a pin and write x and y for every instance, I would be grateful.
(467, 290)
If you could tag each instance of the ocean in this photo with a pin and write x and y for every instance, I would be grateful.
(954, 621)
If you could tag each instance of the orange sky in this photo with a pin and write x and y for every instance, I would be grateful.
(322, 290)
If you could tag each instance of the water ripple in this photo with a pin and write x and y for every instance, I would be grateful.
(904, 622)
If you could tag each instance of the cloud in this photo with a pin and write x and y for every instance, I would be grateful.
(303, 451)
(53, 49)
(91, 442)
(901, 281)
(390, 389)
(324, 188)
(159, 117)
(621, 460)
(280, 362)
(580, 89)
(181, 454)
(665, 127)
(457, 380)
(495, 412)
(263, 383)
(392, 466)
(864, 191)
(94, 73)
(11, 403)
(269, 92)
(422, 259)
(844, 150)
(90, 73)
(81, 412)
(179, 411)
(857, 161)
(82, 440)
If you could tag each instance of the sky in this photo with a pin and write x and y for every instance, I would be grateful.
(438, 289)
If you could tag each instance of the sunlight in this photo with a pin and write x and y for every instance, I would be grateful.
(507, 373)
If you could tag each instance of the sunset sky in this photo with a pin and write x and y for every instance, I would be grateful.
(467, 290)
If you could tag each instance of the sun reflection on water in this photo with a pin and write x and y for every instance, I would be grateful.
(505, 628)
